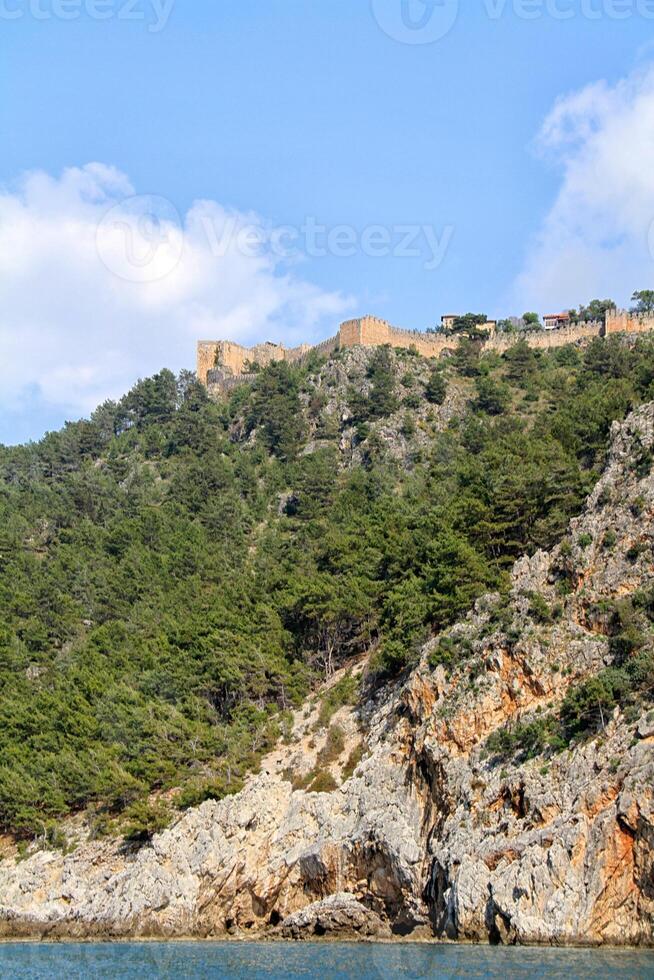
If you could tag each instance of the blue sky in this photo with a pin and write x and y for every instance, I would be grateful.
(279, 112)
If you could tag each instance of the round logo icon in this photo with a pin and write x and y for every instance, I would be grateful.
(140, 239)
(416, 21)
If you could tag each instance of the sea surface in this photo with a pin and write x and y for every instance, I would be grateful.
(324, 961)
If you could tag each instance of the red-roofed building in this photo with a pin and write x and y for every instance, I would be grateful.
(553, 321)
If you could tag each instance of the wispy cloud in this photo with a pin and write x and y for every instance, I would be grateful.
(595, 240)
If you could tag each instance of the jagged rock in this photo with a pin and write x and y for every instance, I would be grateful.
(646, 726)
(338, 915)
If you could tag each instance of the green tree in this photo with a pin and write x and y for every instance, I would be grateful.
(382, 400)
(493, 396)
(643, 300)
(521, 363)
(466, 357)
(596, 310)
(436, 387)
(470, 325)
(275, 410)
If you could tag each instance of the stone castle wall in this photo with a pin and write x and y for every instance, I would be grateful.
(227, 361)
(370, 331)
(234, 358)
(623, 322)
(547, 339)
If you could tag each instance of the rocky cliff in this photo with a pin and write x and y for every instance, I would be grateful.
(466, 801)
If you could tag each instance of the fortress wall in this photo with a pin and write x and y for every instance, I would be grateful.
(429, 345)
(350, 334)
(325, 347)
(374, 332)
(547, 339)
(205, 358)
(218, 386)
(295, 354)
(234, 357)
(226, 352)
(371, 331)
(622, 322)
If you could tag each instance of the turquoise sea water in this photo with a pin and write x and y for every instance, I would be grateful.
(34, 961)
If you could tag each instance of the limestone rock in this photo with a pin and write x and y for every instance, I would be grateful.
(338, 915)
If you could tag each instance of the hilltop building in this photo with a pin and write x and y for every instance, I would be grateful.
(554, 321)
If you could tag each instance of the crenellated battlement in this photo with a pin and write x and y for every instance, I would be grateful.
(221, 364)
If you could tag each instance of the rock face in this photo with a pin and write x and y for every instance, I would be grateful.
(425, 834)
(329, 410)
(341, 914)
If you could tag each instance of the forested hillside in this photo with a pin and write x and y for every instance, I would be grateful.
(176, 574)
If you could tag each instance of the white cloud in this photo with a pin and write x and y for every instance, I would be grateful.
(75, 328)
(595, 240)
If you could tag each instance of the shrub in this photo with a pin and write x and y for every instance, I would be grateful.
(588, 706)
(411, 401)
(637, 506)
(143, 820)
(196, 793)
(408, 427)
(635, 551)
(382, 401)
(353, 760)
(449, 652)
(493, 397)
(530, 739)
(323, 782)
(626, 642)
(436, 387)
(343, 692)
(333, 746)
(539, 608)
(644, 600)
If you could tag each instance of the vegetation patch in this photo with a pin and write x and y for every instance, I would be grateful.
(585, 711)
(353, 760)
(342, 693)
(333, 748)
